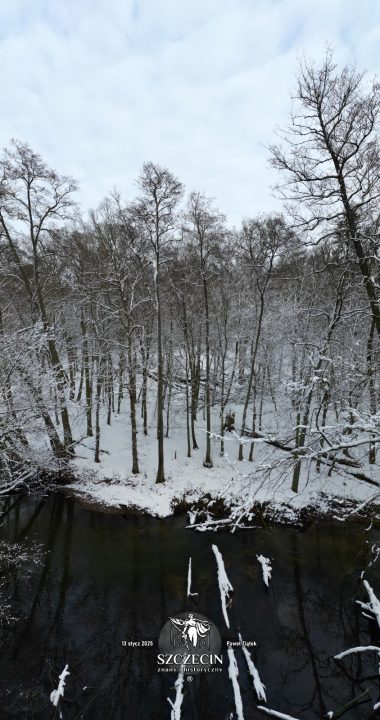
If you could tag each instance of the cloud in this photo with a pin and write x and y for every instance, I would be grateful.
(99, 87)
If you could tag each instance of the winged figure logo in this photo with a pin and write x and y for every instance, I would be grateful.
(193, 632)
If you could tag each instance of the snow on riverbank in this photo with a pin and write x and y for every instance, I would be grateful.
(110, 484)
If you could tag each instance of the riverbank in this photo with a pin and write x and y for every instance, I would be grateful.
(207, 494)
(230, 488)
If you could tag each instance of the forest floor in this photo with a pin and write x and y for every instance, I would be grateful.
(229, 485)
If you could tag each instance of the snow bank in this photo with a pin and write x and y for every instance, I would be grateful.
(238, 484)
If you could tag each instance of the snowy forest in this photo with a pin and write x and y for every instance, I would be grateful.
(150, 324)
(190, 407)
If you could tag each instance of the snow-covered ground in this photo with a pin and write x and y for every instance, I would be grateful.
(111, 484)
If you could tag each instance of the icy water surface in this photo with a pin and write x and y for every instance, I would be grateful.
(106, 578)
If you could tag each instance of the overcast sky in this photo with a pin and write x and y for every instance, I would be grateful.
(99, 86)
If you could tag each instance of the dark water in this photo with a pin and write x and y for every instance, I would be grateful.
(106, 578)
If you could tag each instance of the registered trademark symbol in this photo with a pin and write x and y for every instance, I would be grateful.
(189, 678)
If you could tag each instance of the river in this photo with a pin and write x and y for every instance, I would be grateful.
(105, 579)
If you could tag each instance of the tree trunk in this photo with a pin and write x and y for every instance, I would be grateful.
(187, 414)
(55, 361)
(371, 385)
(222, 402)
(99, 382)
(88, 384)
(160, 420)
(109, 390)
(208, 461)
(80, 388)
(168, 408)
(132, 403)
(250, 458)
(252, 373)
(120, 393)
(56, 445)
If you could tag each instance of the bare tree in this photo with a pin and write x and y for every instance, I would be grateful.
(204, 226)
(155, 210)
(34, 202)
(262, 240)
(330, 158)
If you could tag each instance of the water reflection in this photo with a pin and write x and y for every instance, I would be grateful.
(105, 578)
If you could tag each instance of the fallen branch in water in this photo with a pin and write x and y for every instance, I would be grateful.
(176, 706)
(233, 674)
(225, 587)
(359, 649)
(252, 669)
(352, 703)
(266, 568)
(374, 603)
(275, 713)
(56, 695)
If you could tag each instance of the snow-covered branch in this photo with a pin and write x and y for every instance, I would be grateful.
(225, 587)
(57, 694)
